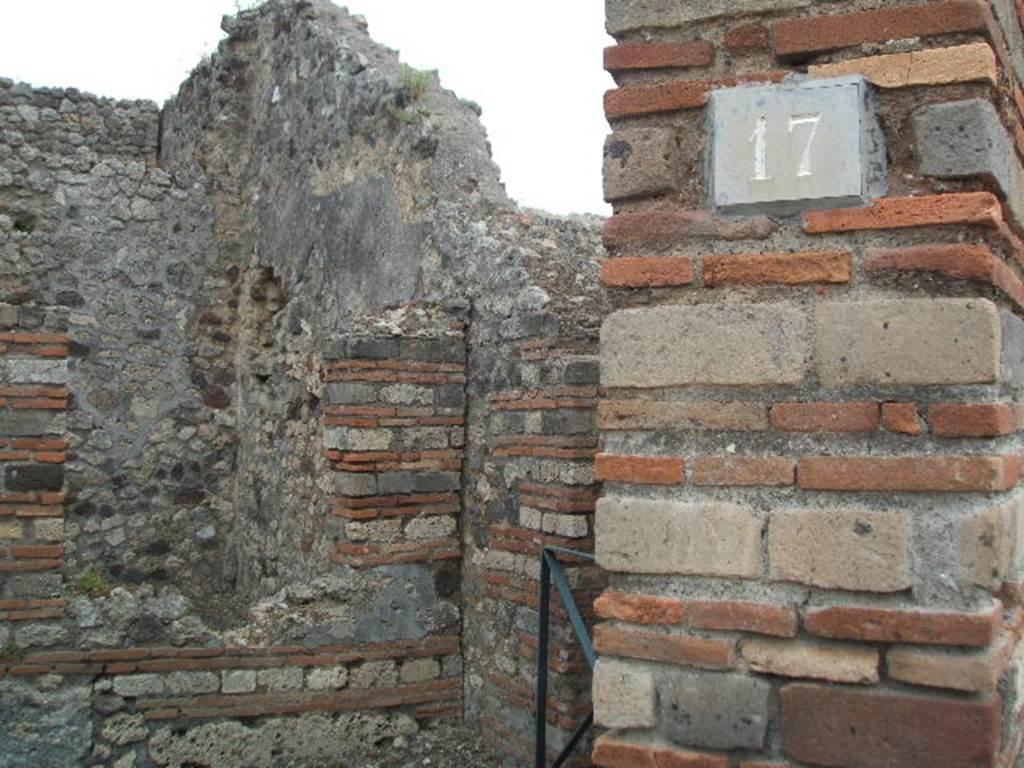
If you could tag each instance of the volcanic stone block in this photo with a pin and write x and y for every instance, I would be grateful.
(964, 138)
(718, 711)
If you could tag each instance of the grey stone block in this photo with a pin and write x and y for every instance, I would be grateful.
(446, 350)
(395, 482)
(44, 727)
(640, 161)
(29, 423)
(429, 482)
(583, 373)
(350, 392)
(355, 484)
(1012, 357)
(451, 396)
(712, 710)
(374, 349)
(567, 422)
(967, 138)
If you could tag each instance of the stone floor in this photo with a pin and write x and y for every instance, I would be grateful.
(442, 745)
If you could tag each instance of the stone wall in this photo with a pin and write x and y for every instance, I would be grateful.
(810, 430)
(292, 395)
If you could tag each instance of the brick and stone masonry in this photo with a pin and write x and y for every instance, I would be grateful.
(291, 395)
(810, 423)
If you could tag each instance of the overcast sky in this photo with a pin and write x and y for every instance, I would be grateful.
(533, 65)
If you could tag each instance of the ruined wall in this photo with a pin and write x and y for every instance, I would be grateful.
(810, 434)
(292, 394)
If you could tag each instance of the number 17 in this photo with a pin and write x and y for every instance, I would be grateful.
(759, 138)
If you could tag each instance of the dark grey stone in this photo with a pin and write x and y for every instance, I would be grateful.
(581, 373)
(34, 477)
(568, 422)
(427, 482)
(964, 138)
(44, 728)
(350, 392)
(714, 710)
(395, 482)
(30, 423)
(450, 396)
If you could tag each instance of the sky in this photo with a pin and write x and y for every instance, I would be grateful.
(533, 65)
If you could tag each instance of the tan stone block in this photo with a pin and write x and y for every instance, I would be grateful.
(910, 341)
(712, 539)
(805, 658)
(420, 670)
(987, 542)
(851, 549)
(373, 530)
(10, 529)
(623, 695)
(713, 344)
(49, 528)
(934, 66)
(956, 670)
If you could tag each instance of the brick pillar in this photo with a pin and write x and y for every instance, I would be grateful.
(811, 403)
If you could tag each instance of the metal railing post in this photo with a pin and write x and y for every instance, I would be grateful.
(551, 569)
(540, 753)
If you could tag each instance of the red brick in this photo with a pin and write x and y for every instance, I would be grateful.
(646, 272)
(972, 419)
(674, 649)
(632, 100)
(743, 470)
(698, 53)
(961, 208)
(652, 228)
(892, 625)
(839, 726)
(638, 609)
(902, 418)
(777, 268)
(908, 473)
(650, 470)
(825, 417)
(961, 261)
(759, 618)
(611, 752)
(747, 39)
(802, 36)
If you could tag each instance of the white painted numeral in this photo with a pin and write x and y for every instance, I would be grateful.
(804, 169)
(759, 137)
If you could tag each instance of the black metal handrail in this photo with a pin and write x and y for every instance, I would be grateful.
(551, 568)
